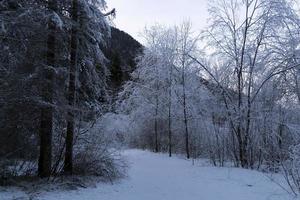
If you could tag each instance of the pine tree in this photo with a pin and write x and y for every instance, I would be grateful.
(68, 165)
(46, 126)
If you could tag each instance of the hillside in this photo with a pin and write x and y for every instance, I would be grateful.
(121, 52)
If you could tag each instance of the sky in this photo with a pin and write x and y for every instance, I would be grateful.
(134, 15)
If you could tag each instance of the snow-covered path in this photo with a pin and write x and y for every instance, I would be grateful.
(158, 177)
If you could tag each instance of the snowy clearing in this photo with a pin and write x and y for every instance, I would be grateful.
(157, 177)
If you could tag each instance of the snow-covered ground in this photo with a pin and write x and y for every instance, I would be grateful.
(158, 177)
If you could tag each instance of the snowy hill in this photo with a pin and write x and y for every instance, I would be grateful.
(157, 177)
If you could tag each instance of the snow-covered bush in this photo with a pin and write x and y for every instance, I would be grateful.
(12, 168)
(97, 152)
(291, 169)
(96, 160)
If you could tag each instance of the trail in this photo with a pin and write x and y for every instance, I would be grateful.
(158, 177)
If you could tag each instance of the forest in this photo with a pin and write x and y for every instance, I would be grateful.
(76, 93)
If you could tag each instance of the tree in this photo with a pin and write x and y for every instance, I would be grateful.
(151, 88)
(164, 82)
(187, 45)
(243, 36)
(83, 13)
(46, 126)
(68, 165)
(35, 60)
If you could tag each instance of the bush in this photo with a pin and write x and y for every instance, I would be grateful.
(291, 169)
(98, 154)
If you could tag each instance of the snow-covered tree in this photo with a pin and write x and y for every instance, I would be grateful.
(38, 68)
(246, 36)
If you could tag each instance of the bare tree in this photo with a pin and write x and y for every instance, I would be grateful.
(186, 45)
(242, 34)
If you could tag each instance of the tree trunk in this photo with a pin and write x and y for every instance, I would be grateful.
(242, 136)
(46, 121)
(68, 165)
(156, 126)
(170, 113)
(170, 132)
(187, 144)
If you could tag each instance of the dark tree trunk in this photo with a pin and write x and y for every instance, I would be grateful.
(187, 143)
(46, 121)
(170, 134)
(170, 114)
(68, 165)
(156, 125)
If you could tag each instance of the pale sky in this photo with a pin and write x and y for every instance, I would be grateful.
(134, 15)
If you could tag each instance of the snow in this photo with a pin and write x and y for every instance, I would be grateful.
(57, 21)
(11, 194)
(158, 177)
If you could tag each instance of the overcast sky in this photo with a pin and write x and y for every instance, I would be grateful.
(134, 15)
